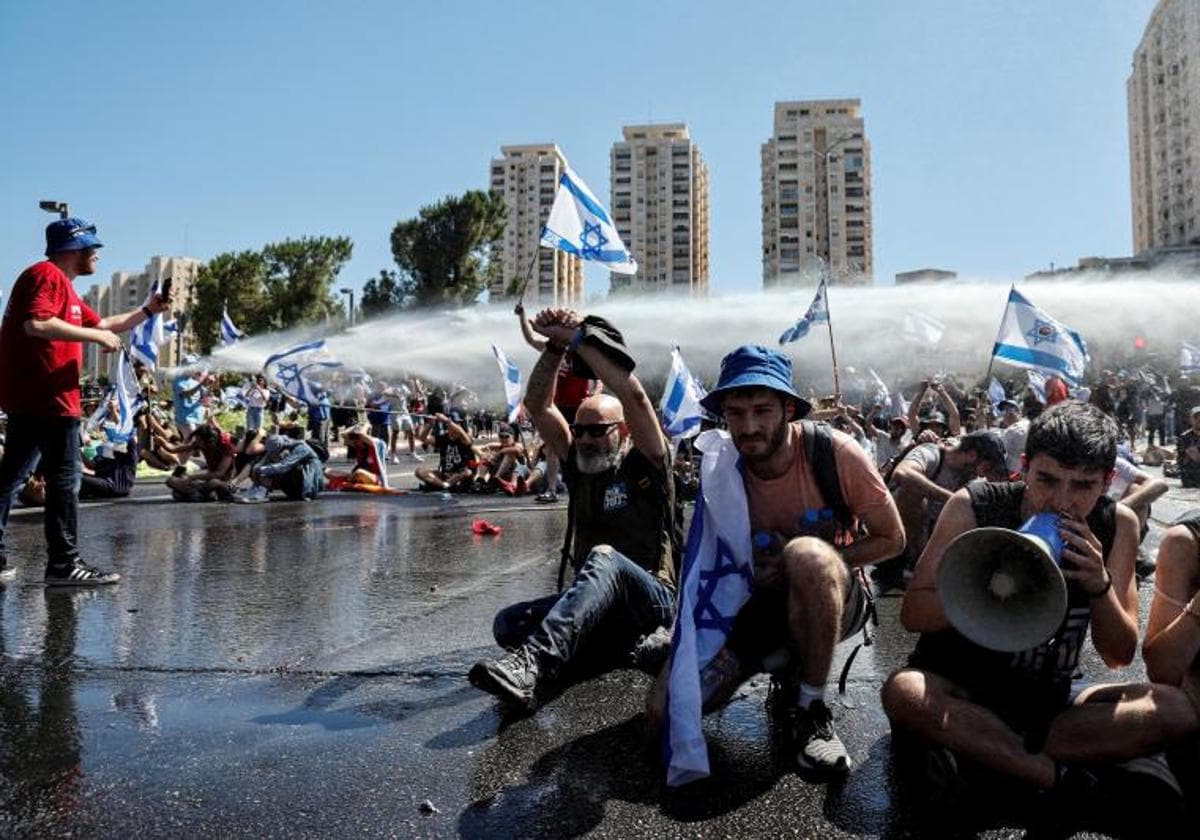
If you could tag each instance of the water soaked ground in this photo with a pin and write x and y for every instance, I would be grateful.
(297, 669)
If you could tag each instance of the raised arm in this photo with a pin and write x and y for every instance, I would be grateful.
(953, 420)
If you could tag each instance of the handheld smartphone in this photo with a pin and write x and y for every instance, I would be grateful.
(165, 291)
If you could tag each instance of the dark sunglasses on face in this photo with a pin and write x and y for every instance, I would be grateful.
(592, 429)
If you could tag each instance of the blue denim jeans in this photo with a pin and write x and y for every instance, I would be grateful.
(56, 440)
(611, 604)
(254, 417)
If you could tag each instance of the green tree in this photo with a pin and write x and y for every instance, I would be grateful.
(233, 280)
(300, 275)
(386, 292)
(449, 252)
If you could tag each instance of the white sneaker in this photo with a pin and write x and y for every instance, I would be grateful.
(253, 495)
(395, 459)
(417, 456)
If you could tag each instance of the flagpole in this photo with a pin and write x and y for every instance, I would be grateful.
(837, 387)
(529, 274)
(987, 377)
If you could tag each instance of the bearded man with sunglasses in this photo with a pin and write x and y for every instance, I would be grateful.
(616, 465)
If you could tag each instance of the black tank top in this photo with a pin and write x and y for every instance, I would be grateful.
(1056, 661)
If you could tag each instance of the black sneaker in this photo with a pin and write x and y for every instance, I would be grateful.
(817, 746)
(512, 677)
(78, 573)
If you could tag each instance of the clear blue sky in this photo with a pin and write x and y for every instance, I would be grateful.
(998, 128)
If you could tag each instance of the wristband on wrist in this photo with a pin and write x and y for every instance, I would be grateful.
(146, 311)
(1104, 591)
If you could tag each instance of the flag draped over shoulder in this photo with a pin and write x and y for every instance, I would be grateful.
(1189, 358)
(290, 370)
(229, 332)
(715, 581)
(1030, 338)
(818, 313)
(579, 225)
(512, 383)
(148, 336)
(680, 403)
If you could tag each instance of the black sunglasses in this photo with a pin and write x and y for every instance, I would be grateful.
(592, 429)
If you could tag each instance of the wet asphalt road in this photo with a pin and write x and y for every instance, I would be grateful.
(297, 669)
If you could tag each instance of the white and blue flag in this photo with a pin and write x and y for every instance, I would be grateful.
(512, 384)
(229, 332)
(579, 225)
(1037, 384)
(148, 336)
(290, 370)
(996, 392)
(1189, 358)
(680, 404)
(818, 313)
(1031, 339)
(128, 396)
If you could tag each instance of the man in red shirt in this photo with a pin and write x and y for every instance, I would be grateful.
(41, 357)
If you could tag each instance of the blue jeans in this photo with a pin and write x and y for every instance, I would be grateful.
(253, 418)
(56, 439)
(611, 604)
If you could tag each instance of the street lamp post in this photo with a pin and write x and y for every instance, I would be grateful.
(59, 207)
(829, 150)
(350, 309)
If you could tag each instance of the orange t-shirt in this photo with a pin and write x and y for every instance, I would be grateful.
(779, 504)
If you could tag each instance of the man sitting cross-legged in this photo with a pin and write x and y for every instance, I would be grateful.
(617, 469)
(1019, 714)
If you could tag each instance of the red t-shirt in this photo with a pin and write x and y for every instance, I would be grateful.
(40, 377)
(570, 390)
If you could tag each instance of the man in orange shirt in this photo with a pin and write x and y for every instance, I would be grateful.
(808, 593)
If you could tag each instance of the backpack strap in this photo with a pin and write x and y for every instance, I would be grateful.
(818, 453)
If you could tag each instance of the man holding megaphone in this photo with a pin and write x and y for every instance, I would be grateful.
(982, 691)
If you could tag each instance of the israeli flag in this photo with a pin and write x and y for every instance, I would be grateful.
(922, 329)
(818, 313)
(1189, 358)
(680, 403)
(579, 225)
(148, 336)
(229, 332)
(1031, 339)
(880, 393)
(996, 392)
(715, 582)
(129, 398)
(290, 370)
(512, 384)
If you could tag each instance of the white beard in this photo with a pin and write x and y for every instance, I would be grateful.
(598, 463)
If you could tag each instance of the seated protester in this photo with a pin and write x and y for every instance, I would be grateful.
(289, 465)
(1187, 449)
(112, 473)
(500, 462)
(1137, 490)
(808, 592)
(153, 442)
(33, 493)
(935, 422)
(219, 453)
(617, 467)
(888, 446)
(930, 473)
(1020, 715)
(369, 455)
(457, 457)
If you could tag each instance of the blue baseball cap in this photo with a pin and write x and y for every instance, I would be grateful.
(755, 366)
(70, 235)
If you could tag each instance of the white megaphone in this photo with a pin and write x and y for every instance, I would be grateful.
(1004, 589)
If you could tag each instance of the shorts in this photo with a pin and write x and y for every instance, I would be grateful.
(761, 626)
(402, 423)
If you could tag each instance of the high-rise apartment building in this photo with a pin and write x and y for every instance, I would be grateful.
(527, 178)
(1164, 128)
(128, 291)
(816, 194)
(660, 208)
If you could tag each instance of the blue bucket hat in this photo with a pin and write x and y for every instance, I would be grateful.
(755, 366)
(70, 235)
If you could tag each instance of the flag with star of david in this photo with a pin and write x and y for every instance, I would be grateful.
(580, 225)
(1029, 338)
(512, 383)
(715, 580)
(818, 313)
(149, 335)
(291, 371)
(229, 331)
